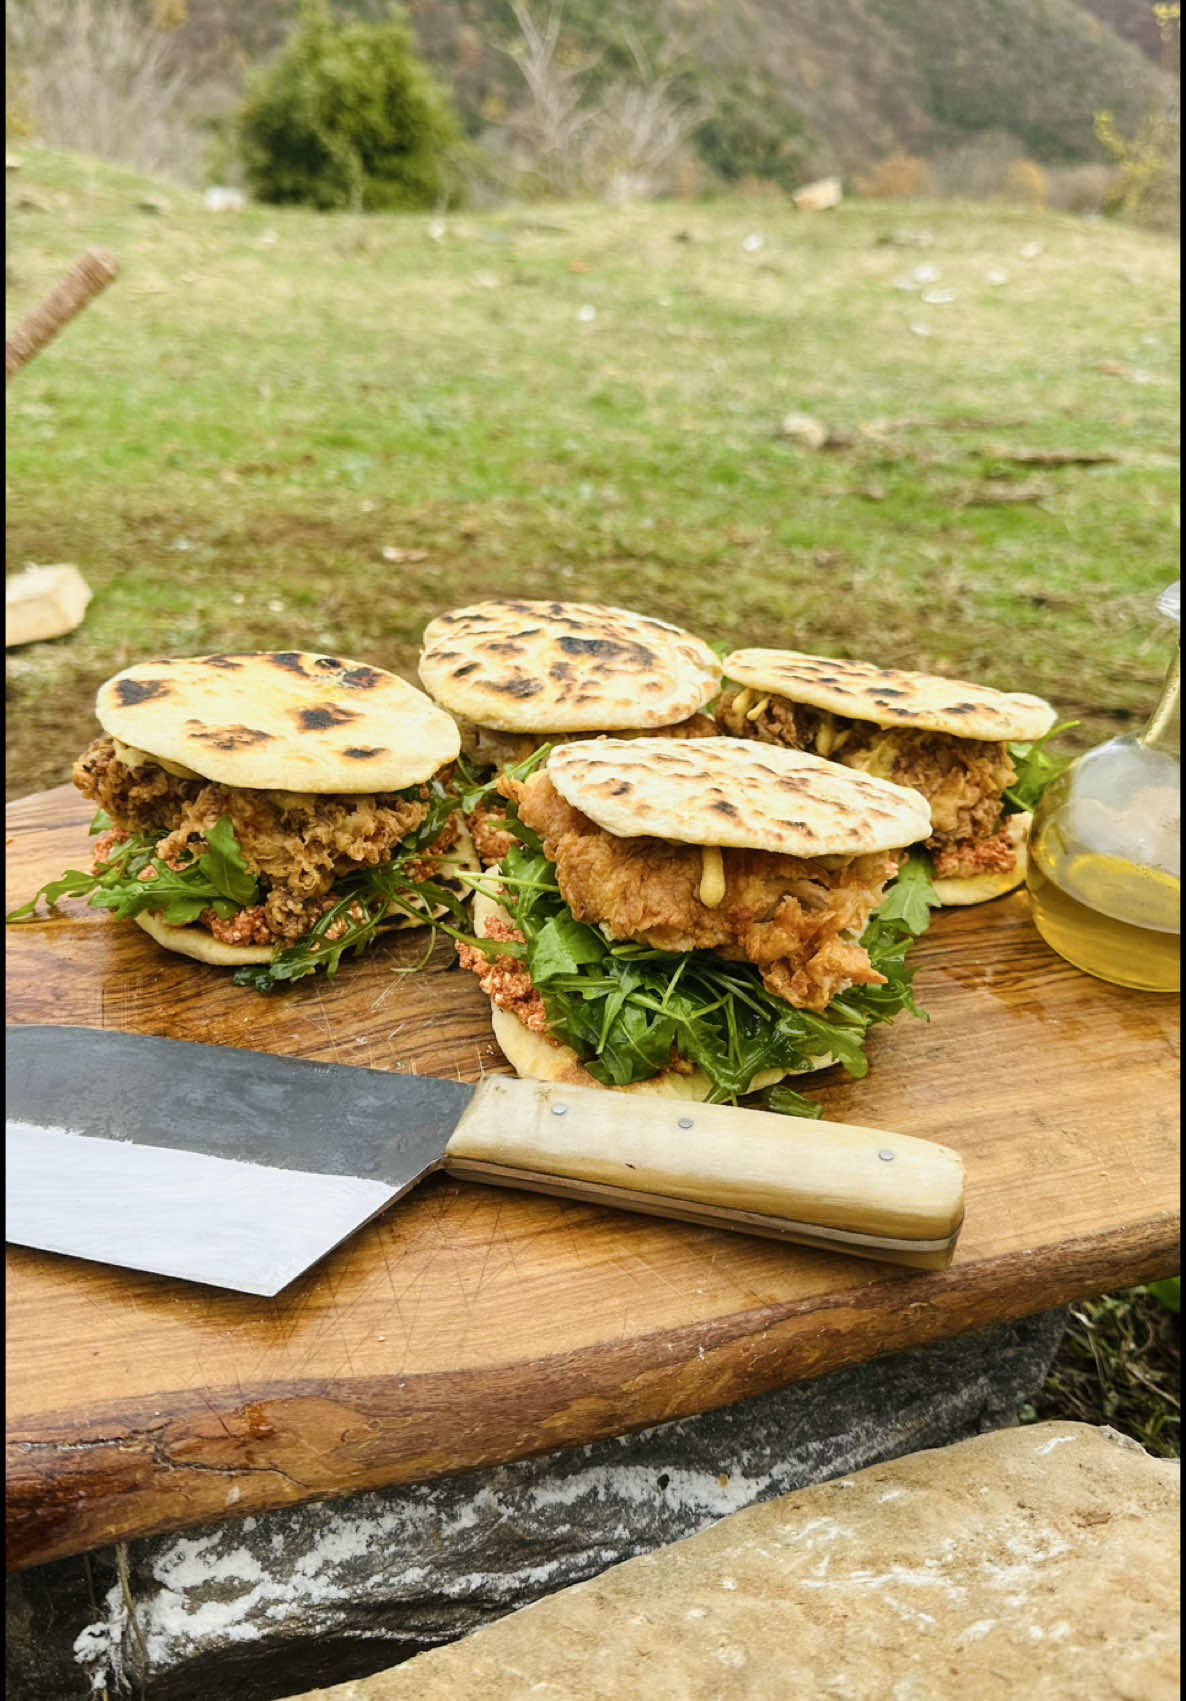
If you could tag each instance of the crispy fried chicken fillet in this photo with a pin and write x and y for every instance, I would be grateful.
(962, 779)
(797, 919)
(296, 844)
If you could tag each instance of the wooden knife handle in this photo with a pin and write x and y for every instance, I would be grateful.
(860, 1190)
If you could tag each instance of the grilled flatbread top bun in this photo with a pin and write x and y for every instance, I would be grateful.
(564, 667)
(279, 720)
(890, 697)
(731, 791)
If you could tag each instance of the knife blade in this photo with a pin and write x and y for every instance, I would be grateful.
(241, 1169)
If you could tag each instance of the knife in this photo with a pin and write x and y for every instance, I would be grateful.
(240, 1169)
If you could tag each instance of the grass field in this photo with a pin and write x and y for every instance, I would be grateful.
(284, 430)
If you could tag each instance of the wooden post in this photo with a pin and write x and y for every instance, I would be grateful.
(87, 278)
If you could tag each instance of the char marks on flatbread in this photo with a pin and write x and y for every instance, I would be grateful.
(565, 667)
(280, 720)
(733, 792)
(889, 696)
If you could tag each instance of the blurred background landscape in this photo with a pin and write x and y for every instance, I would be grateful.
(848, 325)
(1049, 102)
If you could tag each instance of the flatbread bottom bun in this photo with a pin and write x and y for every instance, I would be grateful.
(535, 1057)
(194, 941)
(979, 888)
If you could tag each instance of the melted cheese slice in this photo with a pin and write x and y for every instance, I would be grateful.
(133, 758)
(881, 756)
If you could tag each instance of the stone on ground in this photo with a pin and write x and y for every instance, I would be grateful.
(1038, 1562)
(43, 602)
(264, 1606)
(820, 196)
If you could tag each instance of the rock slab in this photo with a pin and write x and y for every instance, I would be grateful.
(258, 1607)
(1038, 1562)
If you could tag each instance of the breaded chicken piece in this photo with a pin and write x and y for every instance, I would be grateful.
(296, 844)
(797, 919)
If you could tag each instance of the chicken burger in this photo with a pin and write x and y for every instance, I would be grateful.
(516, 675)
(268, 810)
(960, 745)
(699, 917)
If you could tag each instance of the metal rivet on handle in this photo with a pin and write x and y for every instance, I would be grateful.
(559, 1110)
(686, 1122)
(886, 1157)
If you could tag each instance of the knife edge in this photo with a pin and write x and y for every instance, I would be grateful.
(218, 1221)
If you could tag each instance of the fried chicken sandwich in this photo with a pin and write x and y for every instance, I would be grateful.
(267, 810)
(698, 917)
(962, 746)
(516, 675)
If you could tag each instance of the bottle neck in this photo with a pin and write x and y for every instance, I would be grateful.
(1163, 731)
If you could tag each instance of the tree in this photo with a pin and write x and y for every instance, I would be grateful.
(347, 116)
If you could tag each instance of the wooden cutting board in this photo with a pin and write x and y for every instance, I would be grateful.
(471, 1326)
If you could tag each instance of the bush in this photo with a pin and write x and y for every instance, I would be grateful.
(1027, 182)
(976, 168)
(1148, 163)
(750, 135)
(348, 116)
(898, 177)
(1083, 189)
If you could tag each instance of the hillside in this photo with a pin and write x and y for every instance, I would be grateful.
(761, 90)
(802, 88)
(858, 79)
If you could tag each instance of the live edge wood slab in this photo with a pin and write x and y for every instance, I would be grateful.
(471, 1326)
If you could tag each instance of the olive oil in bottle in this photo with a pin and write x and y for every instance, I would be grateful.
(1102, 937)
(1104, 852)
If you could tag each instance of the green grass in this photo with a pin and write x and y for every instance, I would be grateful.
(280, 429)
(1120, 1363)
(285, 429)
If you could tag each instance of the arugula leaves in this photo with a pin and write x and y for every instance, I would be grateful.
(365, 900)
(1036, 767)
(627, 1009)
(133, 879)
(785, 1101)
(911, 898)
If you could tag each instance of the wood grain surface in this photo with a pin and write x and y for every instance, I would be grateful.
(472, 1326)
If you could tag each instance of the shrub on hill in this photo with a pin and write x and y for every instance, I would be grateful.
(347, 116)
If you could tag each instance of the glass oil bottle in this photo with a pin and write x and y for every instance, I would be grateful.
(1104, 851)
